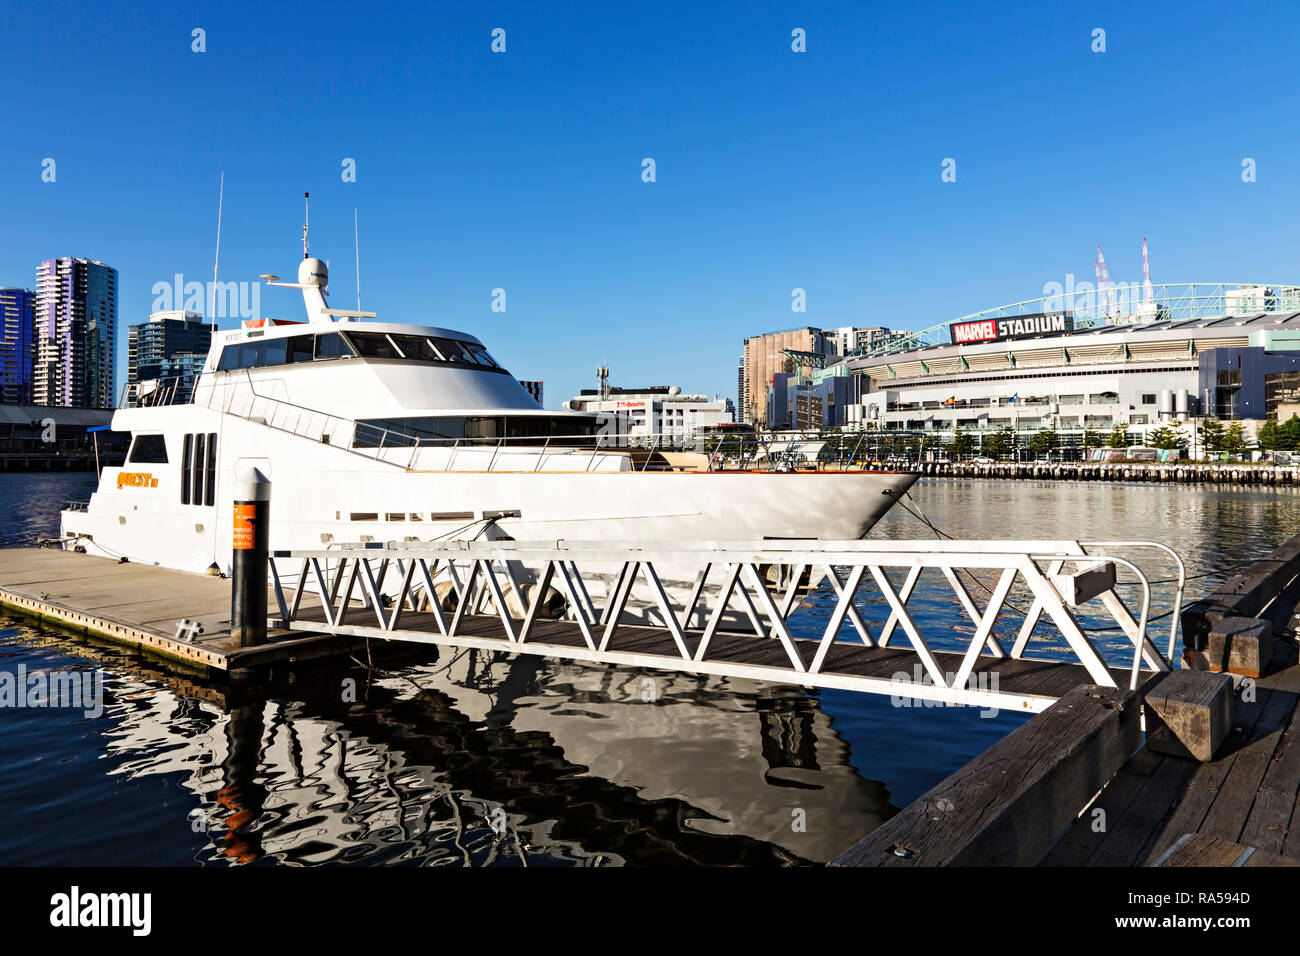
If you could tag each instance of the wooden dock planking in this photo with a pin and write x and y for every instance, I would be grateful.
(140, 605)
(1218, 795)
(1272, 818)
(1235, 798)
(1246, 798)
(1008, 805)
(1128, 840)
(1198, 849)
(1172, 795)
(1083, 839)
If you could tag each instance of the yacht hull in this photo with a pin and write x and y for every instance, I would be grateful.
(311, 510)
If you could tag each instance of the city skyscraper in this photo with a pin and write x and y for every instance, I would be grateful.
(16, 333)
(764, 356)
(170, 349)
(76, 325)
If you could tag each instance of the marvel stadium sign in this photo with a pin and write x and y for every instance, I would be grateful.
(1022, 326)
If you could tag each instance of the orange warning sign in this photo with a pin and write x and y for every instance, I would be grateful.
(243, 537)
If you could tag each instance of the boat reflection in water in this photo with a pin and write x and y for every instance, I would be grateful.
(481, 758)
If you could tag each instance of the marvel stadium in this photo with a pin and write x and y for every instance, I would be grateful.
(1139, 357)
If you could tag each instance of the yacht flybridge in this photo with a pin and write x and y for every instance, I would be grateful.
(372, 431)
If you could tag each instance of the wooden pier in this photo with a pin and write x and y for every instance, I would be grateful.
(142, 606)
(1078, 785)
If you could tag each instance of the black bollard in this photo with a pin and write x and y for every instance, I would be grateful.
(250, 546)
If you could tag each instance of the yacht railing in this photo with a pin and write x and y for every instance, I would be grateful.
(244, 401)
(170, 391)
(584, 453)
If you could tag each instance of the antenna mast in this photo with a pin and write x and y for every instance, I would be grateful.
(216, 259)
(306, 220)
(356, 239)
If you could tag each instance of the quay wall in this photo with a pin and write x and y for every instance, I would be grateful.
(1218, 473)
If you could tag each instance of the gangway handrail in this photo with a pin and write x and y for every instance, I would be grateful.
(1182, 580)
(771, 577)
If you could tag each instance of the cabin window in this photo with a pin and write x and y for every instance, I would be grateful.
(374, 345)
(416, 347)
(199, 470)
(295, 349)
(456, 352)
(331, 346)
(481, 354)
(420, 348)
(148, 450)
(284, 351)
(187, 461)
(210, 498)
(197, 488)
(300, 348)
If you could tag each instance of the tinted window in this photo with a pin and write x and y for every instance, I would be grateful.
(211, 471)
(480, 353)
(274, 351)
(197, 474)
(301, 348)
(297, 348)
(457, 352)
(331, 346)
(373, 345)
(186, 462)
(416, 347)
(252, 354)
(149, 449)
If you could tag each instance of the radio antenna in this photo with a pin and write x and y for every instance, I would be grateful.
(306, 220)
(356, 239)
(216, 259)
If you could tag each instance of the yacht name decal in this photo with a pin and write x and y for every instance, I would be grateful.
(136, 479)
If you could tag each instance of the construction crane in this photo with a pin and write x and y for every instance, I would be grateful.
(1147, 294)
(1103, 282)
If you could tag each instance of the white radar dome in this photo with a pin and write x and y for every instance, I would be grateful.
(313, 272)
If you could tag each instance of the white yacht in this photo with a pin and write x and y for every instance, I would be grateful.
(372, 431)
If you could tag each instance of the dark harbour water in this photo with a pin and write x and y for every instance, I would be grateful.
(470, 758)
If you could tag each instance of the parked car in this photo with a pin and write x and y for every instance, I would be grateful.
(981, 460)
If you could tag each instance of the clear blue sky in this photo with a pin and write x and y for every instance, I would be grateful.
(775, 170)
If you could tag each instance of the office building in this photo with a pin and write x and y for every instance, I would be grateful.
(660, 412)
(167, 351)
(764, 357)
(75, 334)
(17, 324)
(534, 388)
